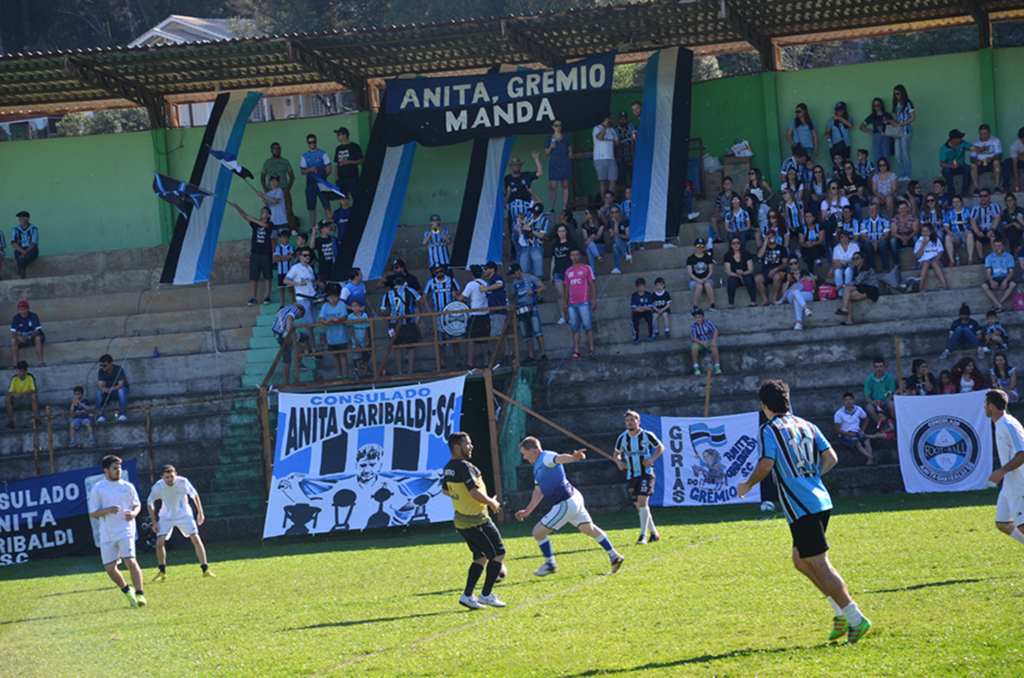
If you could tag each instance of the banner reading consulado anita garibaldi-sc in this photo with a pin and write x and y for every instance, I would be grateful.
(441, 111)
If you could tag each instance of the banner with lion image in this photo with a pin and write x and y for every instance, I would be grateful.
(704, 459)
(362, 459)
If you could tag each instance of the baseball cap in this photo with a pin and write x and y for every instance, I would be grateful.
(640, 281)
(956, 134)
(23, 304)
(699, 241)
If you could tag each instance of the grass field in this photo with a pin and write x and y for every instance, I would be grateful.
(716, 597)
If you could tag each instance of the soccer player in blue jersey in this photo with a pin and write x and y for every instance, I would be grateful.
(565, 500)
(797, 454)
(635, 452)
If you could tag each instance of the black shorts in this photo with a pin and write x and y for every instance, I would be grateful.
(407, 334)
(809, 534)
(641, 486)
(479, 327)
(484, 541)
(870, 290)
(261, 265)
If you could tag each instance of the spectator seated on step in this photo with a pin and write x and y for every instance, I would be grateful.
(879, 392)
(112, 384)
(642, 306)
(995, 337)
(26, 332)
(23, 385)
(920, 381)
(966, 377)
(998, 276)
(851, 423)
(964, 334)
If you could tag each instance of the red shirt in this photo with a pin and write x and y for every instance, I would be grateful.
(578, 278)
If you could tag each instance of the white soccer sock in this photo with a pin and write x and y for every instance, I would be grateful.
(835, 606)
(645, 515)
(1018, 535)
(852, 614)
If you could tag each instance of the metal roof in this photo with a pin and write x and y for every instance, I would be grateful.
(154, 76)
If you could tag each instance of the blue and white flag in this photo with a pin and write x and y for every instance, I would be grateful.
(481, 222)
(362, 459)
(194, 243)
(231, 162)
(662, 147)
(704, 459)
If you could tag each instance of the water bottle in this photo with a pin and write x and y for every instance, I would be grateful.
(156, 354)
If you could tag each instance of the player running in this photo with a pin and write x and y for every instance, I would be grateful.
(115, 503)
(635, 452)
(1010, 445)
(797, 454)
(566, 502)
(462, 482)
(174, 491)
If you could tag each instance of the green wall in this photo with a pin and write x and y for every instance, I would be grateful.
(94, 193)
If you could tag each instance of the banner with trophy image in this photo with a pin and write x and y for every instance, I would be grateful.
(362, 459)
(704, 459)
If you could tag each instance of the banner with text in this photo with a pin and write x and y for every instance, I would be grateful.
(362, 459)
(441, 111)
(945, 442)
(704, 459)
(48, 516)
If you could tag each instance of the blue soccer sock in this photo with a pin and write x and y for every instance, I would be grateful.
(549, 553)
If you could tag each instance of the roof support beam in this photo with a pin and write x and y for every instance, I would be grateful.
(981, 17)
(529, 47)
(313, 61)
(771, 55)
(118, 86)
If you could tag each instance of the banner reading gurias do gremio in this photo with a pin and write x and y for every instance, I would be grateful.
(441, 111)
(48, 516)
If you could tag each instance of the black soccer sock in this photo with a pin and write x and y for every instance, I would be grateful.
(493, 570)
(163, 568)
(475, 570)
(205, 567)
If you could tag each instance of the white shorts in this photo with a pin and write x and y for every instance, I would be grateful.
(186, 525)
(571, 510)
(112, 550)
(1010, 508)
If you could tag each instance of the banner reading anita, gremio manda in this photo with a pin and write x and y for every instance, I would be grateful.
(362, 459)
(704, 459)
(440, 111)
(48, 516)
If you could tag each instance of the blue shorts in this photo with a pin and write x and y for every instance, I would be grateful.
(579, 316)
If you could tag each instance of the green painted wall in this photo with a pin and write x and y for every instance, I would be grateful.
(93, 193)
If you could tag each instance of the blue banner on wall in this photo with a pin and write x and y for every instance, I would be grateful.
(48, 516)
(441, 111)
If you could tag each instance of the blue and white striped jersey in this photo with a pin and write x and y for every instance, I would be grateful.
(796, 446)
(634, 449)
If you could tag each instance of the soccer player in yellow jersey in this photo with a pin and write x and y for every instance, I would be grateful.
(462, 482)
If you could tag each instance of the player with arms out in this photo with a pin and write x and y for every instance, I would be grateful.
(635, 452)
(115, 503)
(1010, 445)
(566, 503)
(462, 482)
(173, 492)
(797, 454)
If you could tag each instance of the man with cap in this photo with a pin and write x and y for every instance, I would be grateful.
(25, 240)
(475, 292)
(606, 138)
(837, 132)
(348, 156)
(519, 197)
(402, 301)
(398, 268)
(701, 266)
(952, 162)
(26, 331)
(282, 167)
(437, 240)
(626, 133)
(23, 385)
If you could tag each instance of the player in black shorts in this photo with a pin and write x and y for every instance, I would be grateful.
(635, 452)
(462, 482)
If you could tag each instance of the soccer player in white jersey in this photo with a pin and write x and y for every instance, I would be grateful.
(635, 452)
(115, 503)
(796, 453)
(1010, 445)
(173, 492)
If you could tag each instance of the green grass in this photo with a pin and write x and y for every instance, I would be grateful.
(718, 596)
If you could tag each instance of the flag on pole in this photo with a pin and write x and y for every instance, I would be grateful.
(231, 162)
(178, 193)
(329, 191)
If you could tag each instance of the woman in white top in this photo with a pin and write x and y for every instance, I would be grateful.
(929, 255)
(834, 202)
(842, 259)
